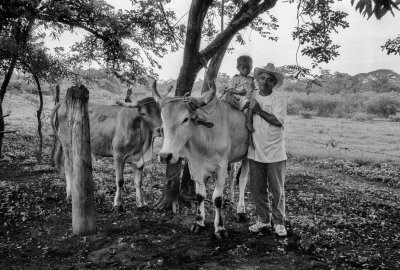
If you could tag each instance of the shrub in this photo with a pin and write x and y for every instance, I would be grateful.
(294, 108)
(360, 116)
(384, 105)
(395, 118)
(306, 114)
(326, 105)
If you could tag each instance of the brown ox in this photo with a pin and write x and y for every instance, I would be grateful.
(119, 132)
(210, 134)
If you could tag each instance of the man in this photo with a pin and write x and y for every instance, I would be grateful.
(268, 160)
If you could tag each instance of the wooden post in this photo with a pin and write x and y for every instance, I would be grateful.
(83, 210)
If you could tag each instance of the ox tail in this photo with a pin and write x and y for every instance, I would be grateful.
(58, 154)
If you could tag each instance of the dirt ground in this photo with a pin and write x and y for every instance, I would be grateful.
(335, 221)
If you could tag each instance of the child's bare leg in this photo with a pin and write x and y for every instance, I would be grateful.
(249, 119)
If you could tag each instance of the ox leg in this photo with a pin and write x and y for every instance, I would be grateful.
(138, 174)
(200, 214)
(231, 184)
(244, 175)
(217, 200)
(119, 181)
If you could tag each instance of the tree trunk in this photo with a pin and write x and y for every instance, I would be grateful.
(56, 101)
(3, 91)
(214, 66)
(39, 118)
(192, 63)
(83, 209)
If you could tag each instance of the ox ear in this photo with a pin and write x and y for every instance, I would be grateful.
(205, 123)
(200, 120)
(143, 111)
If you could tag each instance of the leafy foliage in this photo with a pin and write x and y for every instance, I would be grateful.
(376, 7)
(319, 21)
(122, 42)
(392, 46)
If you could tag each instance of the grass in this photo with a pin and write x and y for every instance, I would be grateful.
(322, 137)
(319, 137)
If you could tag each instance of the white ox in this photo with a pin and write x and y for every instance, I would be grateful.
(210, 134)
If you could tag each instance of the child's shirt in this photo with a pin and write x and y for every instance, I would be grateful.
(240, 82)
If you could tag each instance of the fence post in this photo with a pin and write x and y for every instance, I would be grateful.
(83, 209)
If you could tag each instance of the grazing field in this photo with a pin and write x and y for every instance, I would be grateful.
(322, 137)
(338, 217)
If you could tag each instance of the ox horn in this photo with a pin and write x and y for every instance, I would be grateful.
(156, 94)
(169, 90)
(196, 103)
(211, 93)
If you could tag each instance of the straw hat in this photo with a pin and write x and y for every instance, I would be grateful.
(270, 69)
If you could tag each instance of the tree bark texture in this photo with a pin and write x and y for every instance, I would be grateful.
(83, 209)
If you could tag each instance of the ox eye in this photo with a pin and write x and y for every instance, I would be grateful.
(185, 120)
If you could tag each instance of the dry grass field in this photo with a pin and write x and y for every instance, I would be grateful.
(339, 138)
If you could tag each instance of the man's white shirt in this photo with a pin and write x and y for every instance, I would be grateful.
(268, 139)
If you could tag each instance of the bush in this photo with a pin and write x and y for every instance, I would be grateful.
(326, 105)
(306, 114)
(395, 118)
(361, 117)
(294, 108)
(383, 105)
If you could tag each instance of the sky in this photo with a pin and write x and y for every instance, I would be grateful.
(360, 43)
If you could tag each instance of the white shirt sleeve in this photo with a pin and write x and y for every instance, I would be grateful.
(279, 109)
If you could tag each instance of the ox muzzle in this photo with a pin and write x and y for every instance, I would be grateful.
(166, 158)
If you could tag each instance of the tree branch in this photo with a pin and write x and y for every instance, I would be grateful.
(248, 12)
(168, 25)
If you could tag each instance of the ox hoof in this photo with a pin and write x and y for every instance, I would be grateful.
(242, 218)
(196, 228)
(222, 234)
(119, 208)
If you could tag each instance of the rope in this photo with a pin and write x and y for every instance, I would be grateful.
(175, 175)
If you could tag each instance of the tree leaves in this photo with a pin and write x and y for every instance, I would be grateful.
(379, 8)
(319, 21)
(120, 41)
(392, 46)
